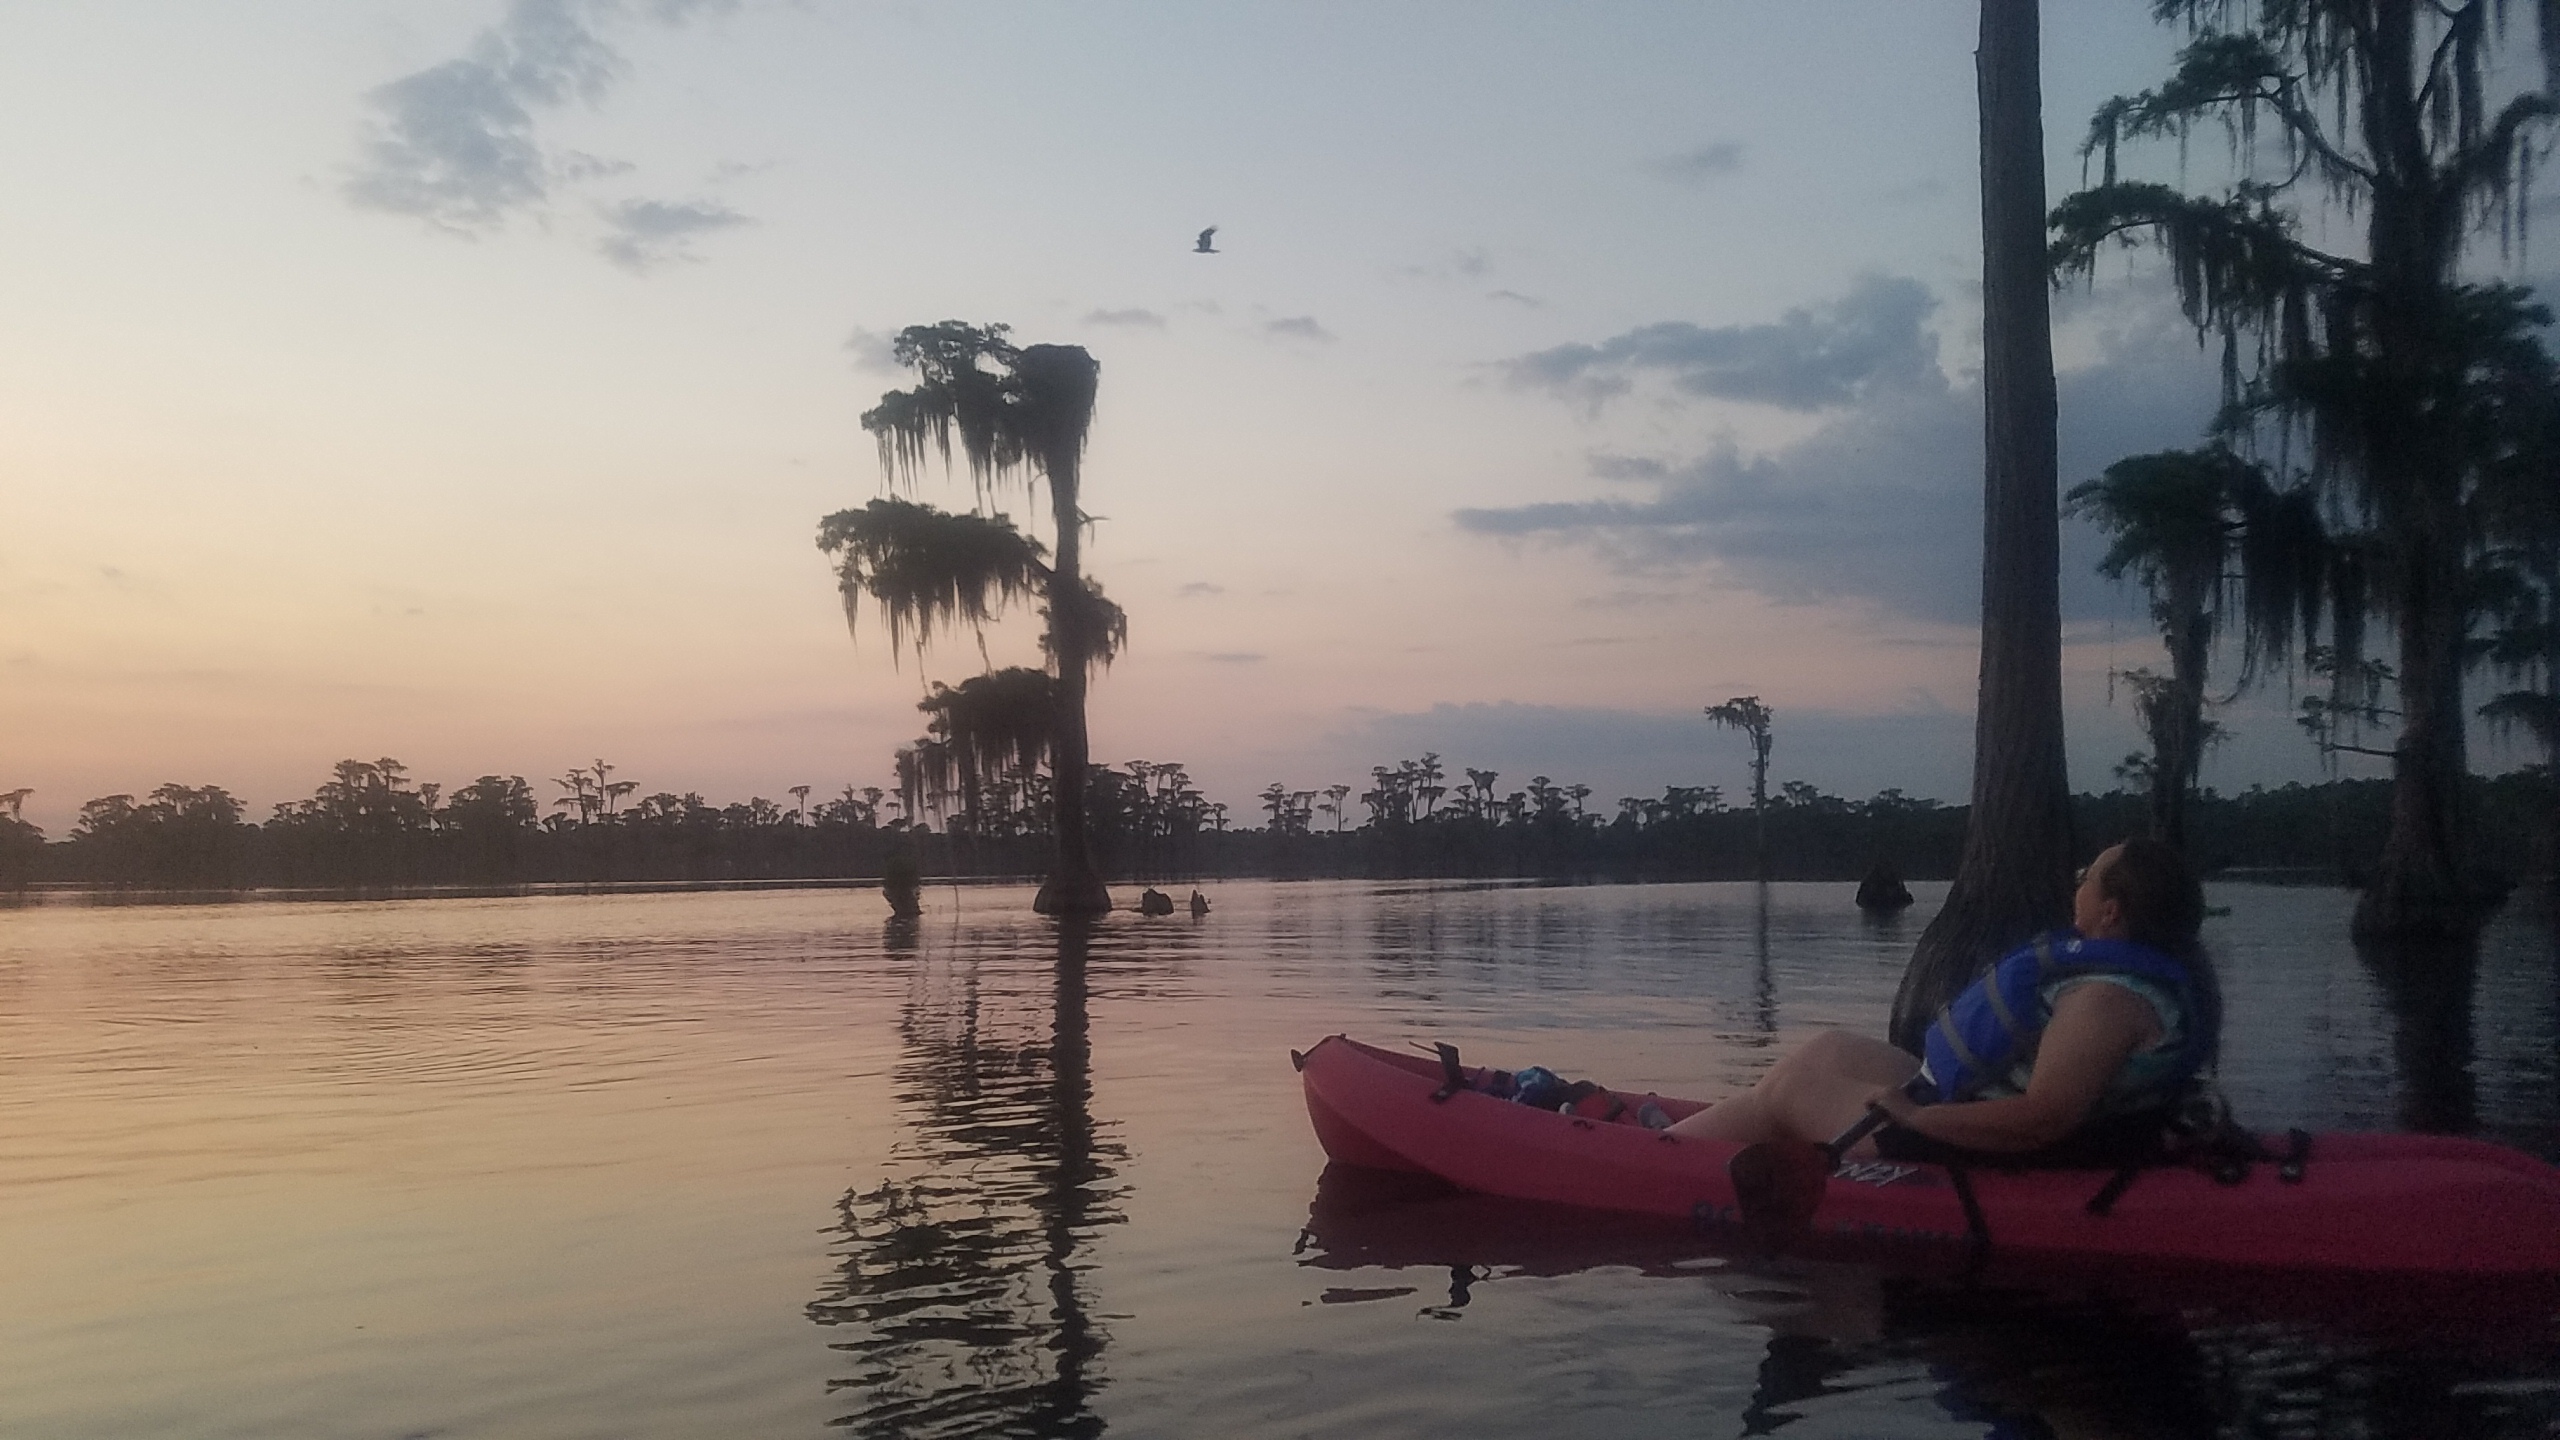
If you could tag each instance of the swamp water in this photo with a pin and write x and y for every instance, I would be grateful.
(766, 1164)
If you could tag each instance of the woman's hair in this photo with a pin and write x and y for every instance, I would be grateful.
(2163, 905)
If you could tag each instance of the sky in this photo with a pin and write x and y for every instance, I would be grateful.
(463, 382)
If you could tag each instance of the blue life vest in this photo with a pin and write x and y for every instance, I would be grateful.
(1996, 1023)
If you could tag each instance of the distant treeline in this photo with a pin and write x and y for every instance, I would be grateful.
(369, 826)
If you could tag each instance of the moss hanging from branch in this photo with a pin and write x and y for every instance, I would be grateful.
(928, 569)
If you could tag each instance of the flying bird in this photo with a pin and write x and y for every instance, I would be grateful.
(1204, 247)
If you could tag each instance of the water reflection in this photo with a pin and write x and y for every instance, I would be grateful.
(962, 1278)
(2428, 986)
(1764, 980)
(2070, 1353)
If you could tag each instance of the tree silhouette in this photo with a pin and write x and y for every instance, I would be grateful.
(1746, 714)
(989, 730)
(1022, 415)
(1275, 799)
(608, 793)
(2212, 543)
(489, 818)
(2519, 514)
(1427, 788)
(2015, 875)
(2383, 104)
(582, 795)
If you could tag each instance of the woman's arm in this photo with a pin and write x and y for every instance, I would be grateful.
(2094, 1030)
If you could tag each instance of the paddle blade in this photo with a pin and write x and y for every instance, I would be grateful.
(1777, 1185)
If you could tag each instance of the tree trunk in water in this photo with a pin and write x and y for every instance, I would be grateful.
(1074, 886)
(2014, 878)
(2428, 984)
(2419, 890)
(2418, 887)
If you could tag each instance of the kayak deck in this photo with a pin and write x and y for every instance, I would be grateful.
(2365, 1202)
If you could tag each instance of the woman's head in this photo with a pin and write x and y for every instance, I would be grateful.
(2143, 891)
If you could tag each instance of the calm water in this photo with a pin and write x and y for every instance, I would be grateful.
(768, 1165)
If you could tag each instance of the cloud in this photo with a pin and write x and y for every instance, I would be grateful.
(648, 233)
(1516, 298)
(1869, 342)
(1133, 317)
(1883, 503)
(1466, 262)
(1698, 166)
(1233, 657)
(455, 144)
(1201, 587)
(1298, 327)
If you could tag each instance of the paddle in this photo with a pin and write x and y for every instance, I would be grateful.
(1778, 1184)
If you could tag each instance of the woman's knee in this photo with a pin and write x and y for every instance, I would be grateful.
(1827, 1046)
(1829, 1055)
(1817, 1058)
(1829, 1052)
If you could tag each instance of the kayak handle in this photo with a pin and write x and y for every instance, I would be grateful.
(1453, 1076)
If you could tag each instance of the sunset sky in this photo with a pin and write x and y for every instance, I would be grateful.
(463, 382)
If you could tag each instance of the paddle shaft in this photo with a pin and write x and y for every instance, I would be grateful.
(1877, 1117)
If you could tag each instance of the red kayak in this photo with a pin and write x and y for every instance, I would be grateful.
(2406, 1204)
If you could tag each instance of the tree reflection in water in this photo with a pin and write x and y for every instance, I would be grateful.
(2428, 985)
(960, 1277)
(1764, 980)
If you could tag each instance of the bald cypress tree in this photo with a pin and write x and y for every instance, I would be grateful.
(1021, 415)
(2014, 877)
(2382, 112)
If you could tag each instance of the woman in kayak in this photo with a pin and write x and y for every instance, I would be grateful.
(2131, 1012)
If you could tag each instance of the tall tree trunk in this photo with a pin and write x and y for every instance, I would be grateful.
(2014, 878)
(2418, 887)
(1760, 808)
(2182, 753)
(1058, 383)
(1074, 886)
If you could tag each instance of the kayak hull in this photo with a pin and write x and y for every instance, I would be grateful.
(2415, 1204)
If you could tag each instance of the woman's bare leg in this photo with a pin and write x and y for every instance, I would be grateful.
(1814, 1092)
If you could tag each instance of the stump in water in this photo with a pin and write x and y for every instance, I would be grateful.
(1883, 891)
(902, 885)
(1152, 901)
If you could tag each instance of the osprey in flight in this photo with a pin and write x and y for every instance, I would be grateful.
(1204, 247)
